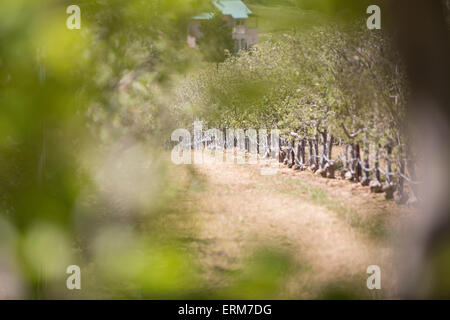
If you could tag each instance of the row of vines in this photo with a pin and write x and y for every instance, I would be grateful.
(331, 86)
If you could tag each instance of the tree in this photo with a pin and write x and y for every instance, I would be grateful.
(216, 38)
(423, 38)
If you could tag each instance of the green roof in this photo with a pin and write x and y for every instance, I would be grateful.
(235, 8)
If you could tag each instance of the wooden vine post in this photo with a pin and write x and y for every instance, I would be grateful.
(366, 179)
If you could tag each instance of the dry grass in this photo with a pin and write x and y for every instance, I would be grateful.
(333, 229)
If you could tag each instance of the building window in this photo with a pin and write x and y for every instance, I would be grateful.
(243, 44)
(240, 44)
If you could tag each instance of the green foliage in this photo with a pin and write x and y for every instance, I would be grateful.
(85, 179)
(75, 108)
(217, 39)
(309, 82)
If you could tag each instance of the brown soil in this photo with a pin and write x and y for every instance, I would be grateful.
(333, 229)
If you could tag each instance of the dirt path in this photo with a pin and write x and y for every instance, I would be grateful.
(240, 210)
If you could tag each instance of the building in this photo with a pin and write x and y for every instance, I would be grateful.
(237, 15)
